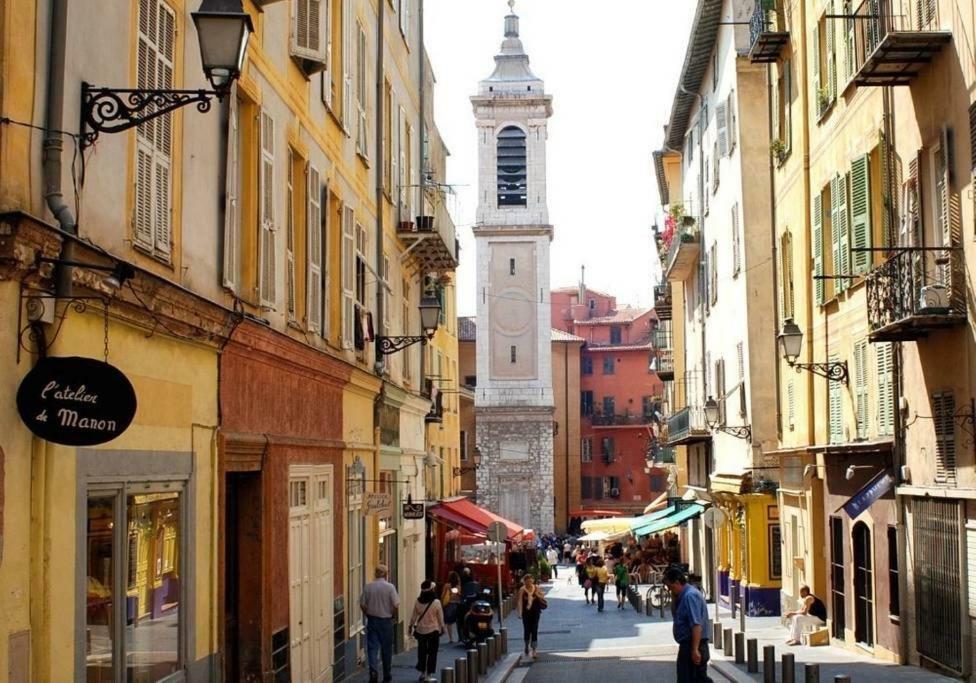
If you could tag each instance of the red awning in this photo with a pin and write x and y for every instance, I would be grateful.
(587, 512)
(462, 512)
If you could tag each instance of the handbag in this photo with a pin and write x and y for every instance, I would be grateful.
(413, 627)
(588, 584)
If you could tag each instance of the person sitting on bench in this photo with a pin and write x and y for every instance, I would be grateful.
(813, 612)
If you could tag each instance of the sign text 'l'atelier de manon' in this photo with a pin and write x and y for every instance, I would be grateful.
(76, 401)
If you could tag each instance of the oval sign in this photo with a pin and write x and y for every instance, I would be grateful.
(76, 401)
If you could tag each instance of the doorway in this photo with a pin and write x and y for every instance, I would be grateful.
(837, 578)
(863, 585)
(242, 577)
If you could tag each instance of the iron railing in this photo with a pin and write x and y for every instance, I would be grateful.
(600, 420)
(884, 40)
(665, 362)
(661, 338)
(764, 19)
(661, 455)
(687, 422)
(918, 282)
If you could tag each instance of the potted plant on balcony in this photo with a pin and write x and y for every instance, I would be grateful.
(777, 149)
(406, 226)
(425, 223)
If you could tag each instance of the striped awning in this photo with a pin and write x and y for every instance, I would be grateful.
(669, 521)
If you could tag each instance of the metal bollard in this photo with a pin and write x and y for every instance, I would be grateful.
(769, 664)
(503, 640)
(842, 678)
(727, 642)
(742, 611)
(717, 635)
(740, 648)
(482, 658)
(447, 675)
(648, 608)
(788, 666)
(461, 670)
(472, 666)
(733, 599)
(812, 673)
(752, 656)
(492, 650)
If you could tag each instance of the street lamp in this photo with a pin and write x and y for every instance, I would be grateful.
(712, 420)
(791, 342)
(223, 29)
(430, 316)
(458, 471)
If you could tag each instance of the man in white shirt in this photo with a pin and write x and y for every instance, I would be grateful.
(380, 603)
(553, 558)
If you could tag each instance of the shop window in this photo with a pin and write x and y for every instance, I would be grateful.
(139, 617)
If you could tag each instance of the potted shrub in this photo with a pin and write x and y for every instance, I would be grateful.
(406, 226)
(544, 572)
(778, 151)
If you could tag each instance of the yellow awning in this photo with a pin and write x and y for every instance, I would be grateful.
(608, 526)
(657, 503)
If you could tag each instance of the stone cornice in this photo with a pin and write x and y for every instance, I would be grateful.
(533, 230)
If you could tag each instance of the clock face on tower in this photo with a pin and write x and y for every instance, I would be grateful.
(513, 310)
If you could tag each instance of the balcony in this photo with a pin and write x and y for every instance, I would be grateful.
(683, 253)
(661, 455)
(432, 239)
(664, 364)
(766, 37)
(687, 426)
(894, 40)
(628, 420)
(662, 301)
(916, 291)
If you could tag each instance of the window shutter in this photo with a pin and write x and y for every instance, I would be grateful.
(911, 227)
(586, 490)
(786, 135)
(818, 248)
(849, 40)
(944, 184)
(835, 409)
(886, 408)
(405, 18)
(838, 230)
(290, 227)
(314, 232)
(888, 194)
(720, 389)
(730, 113)
(791, 404)
(362, 139)
(817, 84)
(387, 299)
(861, 212)
(736, 241)
(781, 282)
(943, 412)
(267, 228)
(328, 74)
(232, 216)
(347, 65)
(741, 368)
(348, 279)
(830, 28)
(716, 159)
(972, 138)
(307, 30)
(775, 94)
(861, 387)
(402, 147)
(721, 120)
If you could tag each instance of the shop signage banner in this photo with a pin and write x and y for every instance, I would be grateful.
(870, 492)
(378, 504)
(76, 401)
(413, 510)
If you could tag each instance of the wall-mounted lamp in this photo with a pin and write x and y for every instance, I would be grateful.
(849, 474)
(458, 471)
(790, 344)
(430, 317)
(712, 420)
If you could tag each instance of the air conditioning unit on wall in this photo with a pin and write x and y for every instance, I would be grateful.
(615, 493)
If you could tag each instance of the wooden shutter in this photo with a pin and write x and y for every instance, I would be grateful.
(835, 408)
(817, 84)
(972, 144)
(716, 159)
(889, 202)
(232, 215)
(830, 28)
(720, 389)
(329, 74)
(314, 231)
(741, 363)
(861, 212)
(348, 279)
(722, 121)
(911, 227)
(861, 387)
(947, 213)
(849, 39)
(786, 135)
(730, 114)
(818, 248)
(885, 374)
(736, 241)
(152, 220)
(774, 107)
(943, 413)
(838, 231)
(290, 227)
(267, 274)
(362, 138)
(405, 18)
(347, 66)
(791, 404)
(307, 30)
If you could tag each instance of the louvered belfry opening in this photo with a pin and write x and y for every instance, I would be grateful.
(512, 175)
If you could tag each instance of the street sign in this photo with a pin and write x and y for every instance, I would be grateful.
(378, 504)
(497, 532)
(713, 517)
(413, 510)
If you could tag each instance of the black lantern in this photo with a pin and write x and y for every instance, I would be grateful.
(223, 28)
(791, 342)
(712, 420)
(430, 318)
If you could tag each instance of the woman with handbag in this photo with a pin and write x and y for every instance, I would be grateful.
(529, 603)
(426, 627)
(451, 601)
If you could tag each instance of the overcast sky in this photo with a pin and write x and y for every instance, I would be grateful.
(612, 68)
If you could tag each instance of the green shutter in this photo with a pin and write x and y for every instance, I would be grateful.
(818, 248)
(839, 232)
(835, 410)
(816, 72)
(861, 212)
(831, 53)
(886, 408)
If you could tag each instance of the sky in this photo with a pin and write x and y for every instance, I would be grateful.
(612, 68)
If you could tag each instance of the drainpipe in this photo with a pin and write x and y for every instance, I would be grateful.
(422, 91)
(777, 371)
(379, 362)
(55, 110)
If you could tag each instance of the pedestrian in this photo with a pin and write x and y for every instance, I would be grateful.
(426, 626)
(622, 582)
(567, 552)
(589, 586)
(529, 603)
(451, 602)
(602, 578)
(692, 629)
(380, 603)
(813, 612)
(552, 557)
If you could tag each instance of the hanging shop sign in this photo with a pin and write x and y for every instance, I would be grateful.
(879, 485)
(76, 401)
(413, 510)
(378, 504)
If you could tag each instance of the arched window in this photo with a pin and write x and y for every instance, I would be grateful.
(512, 185)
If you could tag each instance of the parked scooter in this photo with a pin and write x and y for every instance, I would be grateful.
(479, 620)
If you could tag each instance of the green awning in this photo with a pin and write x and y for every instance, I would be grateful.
(644, 520)
(668, 521)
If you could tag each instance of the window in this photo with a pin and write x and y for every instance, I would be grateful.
(471, 381)
(592, 304)
(317, 307)
(149, 524)
(464, 446)
(894, 599)
(608, 365)
(511, 266)
(791, 405)
(153, 214)
(616, 334)
(607, 449)
(361, 268)
(782, 108)
(348, 278)
(513, 351)
(406, 311)
(586, 403)
(824, 63)
(861, 387)
(835, 408)
(775, 553)
(722, 138)
(839, 232)
(586, 449)
(860, 229)
(232, 212)
(720, 389)
(362, 90)
(659, 482)
(512, 178)
(309, 34)
(885, 374)
(943, 414)
(713, 272)
(821, 229)
(347, 42)
(405, 19)
(267, 273)
(586, 363)
(736, 242)
(586, 487)
(332, 10)
(388, 538)
(608, 406)
(389, 172)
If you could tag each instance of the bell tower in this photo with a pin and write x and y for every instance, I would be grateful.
(514, 398)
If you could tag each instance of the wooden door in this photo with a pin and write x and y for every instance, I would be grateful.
(299, 607)
(322, 577)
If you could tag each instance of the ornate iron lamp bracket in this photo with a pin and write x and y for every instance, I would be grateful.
(835, 372)
(390, 345)
(743, 432)
(112, 110)
(458, 471)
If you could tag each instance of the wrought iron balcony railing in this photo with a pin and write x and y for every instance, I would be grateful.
(892, 40)
(664, 364)
(767, 32)
(662, 301)
(661, 455)
(600, 420)
(916, 291)
(432, 239)
(688, 426)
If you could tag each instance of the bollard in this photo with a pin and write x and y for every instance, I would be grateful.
(733, 599)
(472, 666)
(447, 675)
(492, 650)
(769, 664)
(717, 635)
(482, 658)
(742, 611)
(503, 640)
(740, 648)
(727, 642)
(461, 670)
(842, 678)
(752, 655)
(648, 608)
(812, 673)
(788, 665)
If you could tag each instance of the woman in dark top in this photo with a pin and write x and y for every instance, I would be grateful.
(529, 603)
